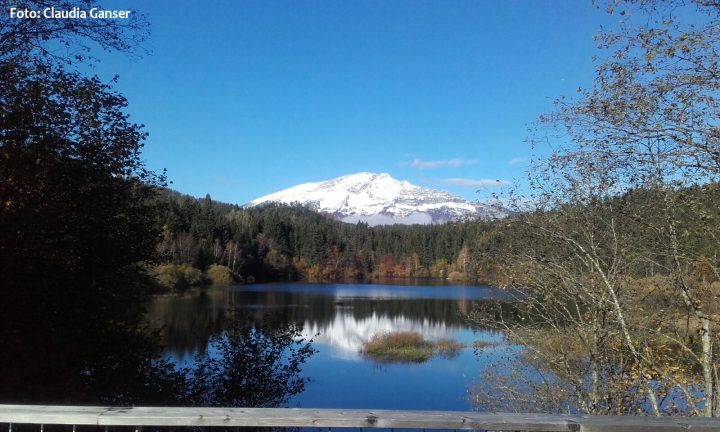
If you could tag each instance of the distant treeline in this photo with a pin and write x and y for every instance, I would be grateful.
(283, 242)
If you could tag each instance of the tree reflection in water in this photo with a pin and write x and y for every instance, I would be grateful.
(250, 364)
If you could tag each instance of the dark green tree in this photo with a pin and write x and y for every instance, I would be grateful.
(75, 227)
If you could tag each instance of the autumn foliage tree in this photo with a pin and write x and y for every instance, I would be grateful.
(621, 313)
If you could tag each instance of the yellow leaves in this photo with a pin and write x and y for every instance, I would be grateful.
(703, 269)
(314, 273)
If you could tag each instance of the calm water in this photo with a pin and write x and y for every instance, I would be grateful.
(340, 318)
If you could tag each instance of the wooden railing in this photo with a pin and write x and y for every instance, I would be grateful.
(341, 418)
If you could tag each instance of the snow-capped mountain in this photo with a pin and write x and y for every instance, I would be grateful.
(379, 199)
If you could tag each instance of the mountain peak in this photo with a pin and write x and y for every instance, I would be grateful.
(379, 199)
(364, 177)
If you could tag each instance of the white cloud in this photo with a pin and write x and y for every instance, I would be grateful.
(517, 160)
(475, 182)
(442, 163)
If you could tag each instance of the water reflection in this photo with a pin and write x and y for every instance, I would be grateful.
(340, 316)
(347, 334)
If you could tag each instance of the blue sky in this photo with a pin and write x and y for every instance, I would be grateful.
(244, 98)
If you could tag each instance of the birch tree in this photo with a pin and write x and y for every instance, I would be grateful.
(619, 207)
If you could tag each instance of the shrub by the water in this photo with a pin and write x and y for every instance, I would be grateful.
(410, 347)
(177, 277)
(448, 348)
(480, 344)
(456, 276)
(219, 275)
(398, 346)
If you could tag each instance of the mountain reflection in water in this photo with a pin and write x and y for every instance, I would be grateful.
(340, 319)
(348, 334)
(344, 316)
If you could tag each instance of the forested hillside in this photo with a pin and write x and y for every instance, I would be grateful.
(281, 242)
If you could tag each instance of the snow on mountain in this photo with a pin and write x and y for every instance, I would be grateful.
(379, 199)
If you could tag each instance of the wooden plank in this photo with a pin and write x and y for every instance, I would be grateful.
(40, 414)
(300, 417)
(648, 424)
(338, 418)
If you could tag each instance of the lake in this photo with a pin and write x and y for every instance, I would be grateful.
(340, 318)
